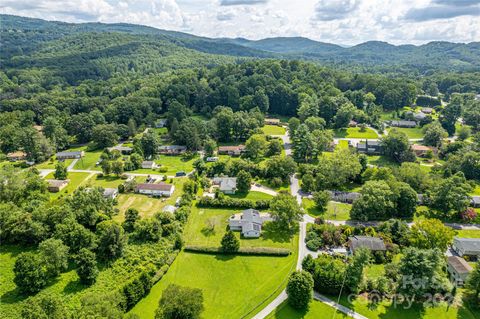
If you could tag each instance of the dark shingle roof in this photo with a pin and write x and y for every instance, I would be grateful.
(372, 243)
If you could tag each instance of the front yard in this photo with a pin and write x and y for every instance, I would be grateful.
(76, 180)
(354, 132)
(335, 210)
(412, 133)
(315, 310)
(273, 130)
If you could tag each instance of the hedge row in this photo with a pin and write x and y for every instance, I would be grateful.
(258, 251)
(228, 202)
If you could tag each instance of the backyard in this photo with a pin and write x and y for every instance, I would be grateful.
(170, 165)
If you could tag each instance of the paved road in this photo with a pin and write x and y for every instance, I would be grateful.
(302, 252)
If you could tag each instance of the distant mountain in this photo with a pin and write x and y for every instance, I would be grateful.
(26, 39)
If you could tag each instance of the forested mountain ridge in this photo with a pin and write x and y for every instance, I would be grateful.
(26, 41)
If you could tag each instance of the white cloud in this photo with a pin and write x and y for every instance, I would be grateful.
(337, 21)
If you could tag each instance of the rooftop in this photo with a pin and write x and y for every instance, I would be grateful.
(56, 182)
(459, 264)
(467, 244)
(231, 148)
(373, 243)
(157, 187)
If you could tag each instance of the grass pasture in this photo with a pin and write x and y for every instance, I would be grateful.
(173, 164)
(354, 132)
(89, 160)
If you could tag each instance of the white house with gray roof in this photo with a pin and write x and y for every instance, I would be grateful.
(466, 246)
(227, 185)
(249, 222)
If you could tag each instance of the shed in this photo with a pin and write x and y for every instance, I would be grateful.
(458, 269)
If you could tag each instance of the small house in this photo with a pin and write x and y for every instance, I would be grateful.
(125, 150)
(403, 123)
(149, 165)
(111, 193)
(270, 121)
(420, 116)
(160, 189)
(234, 150)
(344, 197)
(212, 159)
(427, 110)
(161, 123)
(477, 97)
(169, 209)
(458, 270)
(370, 147)
(17, 156)
(475, 201)
(227, 185)
(352, 123)
(56, 185)
(372, 243)
(69, 155)
(249, 222)
(172, 149)
(421, 150)
(467, 246)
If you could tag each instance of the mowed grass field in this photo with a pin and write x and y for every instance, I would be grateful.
(232, 286)
(412, 133)
(316, 310)
(335, 211)
(76, 180)
(89, 160)
(273, 130)
(354, 132)
(173, 164)
(468, 233)
(147, 206)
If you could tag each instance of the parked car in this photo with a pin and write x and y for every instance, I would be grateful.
(181, 173)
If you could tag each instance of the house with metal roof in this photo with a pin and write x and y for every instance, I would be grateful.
(372, 147)
(466, 246)
(403, 123)
(122, 149)
(232, 150)
(475, 201)
(249, 222)
(69, 155)
(172, 149)
(344, 197)
(227, 185)
(149, 164)
(458, 270)
(372, 243)
(56, 185)
(160, 189)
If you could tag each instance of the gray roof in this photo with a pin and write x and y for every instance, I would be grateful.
(172, 147)
(459, 265)
(403, 123)
(169, 209)
(120, 148)
(372, 243)
(110, 192)
(226, 183)
(74, 153)
(419, 115)
(475, 199)
(468, 245)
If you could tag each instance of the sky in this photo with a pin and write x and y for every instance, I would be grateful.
(346, 22)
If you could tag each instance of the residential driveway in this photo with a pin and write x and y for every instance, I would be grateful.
(263, 189)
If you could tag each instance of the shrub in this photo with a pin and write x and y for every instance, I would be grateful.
(230, 243)
(300, 289)
(228, 202)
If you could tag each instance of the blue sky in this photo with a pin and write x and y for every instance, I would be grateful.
(345, 22)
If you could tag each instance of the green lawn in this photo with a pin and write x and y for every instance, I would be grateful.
(468, 233)
(380, 160)
(251, 196)
(147, 206)
(273, 130)
(110, 181)
(172, 163)
(354, 132)
(387, 310)
(266, 182)
(232, 286)
(50, 164)
(476, 190)
(412, 133)
(342, 144)
(76, 180)
(316, 310)
(374, 271)
(89, 160)
(335, 211)
(207, 226)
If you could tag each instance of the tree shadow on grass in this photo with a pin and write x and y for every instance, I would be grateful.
(13, 296)
(271, 231)
(225, 257)
(74, 286)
